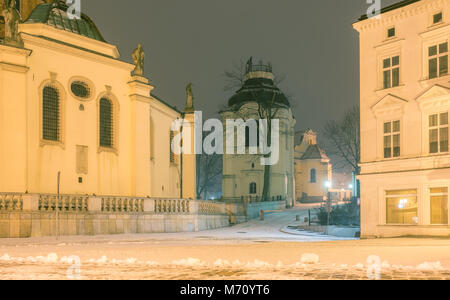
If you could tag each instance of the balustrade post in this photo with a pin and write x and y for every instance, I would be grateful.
(30, 202)
(193, 207)
(149, 205)
(94, 204)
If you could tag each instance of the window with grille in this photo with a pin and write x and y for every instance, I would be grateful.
(391, 72)
(80, 89)
(438, 133)
(438, 60)
(392, 139)
(106, 123)
(50, 114)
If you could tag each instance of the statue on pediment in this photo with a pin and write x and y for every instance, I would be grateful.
(12, 20)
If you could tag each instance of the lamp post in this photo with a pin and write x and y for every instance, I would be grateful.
(57, 206)
(328, 186)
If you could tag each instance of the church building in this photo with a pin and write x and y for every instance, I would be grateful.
(69, 103)
(313, 169)
(243, 174)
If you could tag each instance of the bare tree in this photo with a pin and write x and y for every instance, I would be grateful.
(209, 171)
(343, 139)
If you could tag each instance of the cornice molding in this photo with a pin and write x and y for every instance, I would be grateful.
(400, 14)
(389, 104)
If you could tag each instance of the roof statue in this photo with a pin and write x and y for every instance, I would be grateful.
(138, 59)
(12, 20)
(189, 98)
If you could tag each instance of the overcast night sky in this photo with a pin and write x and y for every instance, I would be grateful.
(311, 42)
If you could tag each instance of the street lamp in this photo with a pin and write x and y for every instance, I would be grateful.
(328, 185)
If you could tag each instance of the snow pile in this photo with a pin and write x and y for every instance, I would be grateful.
(5, 258)
(191, 262)
(221, 263)
(259, 264)
(309, 258)
(430, 266)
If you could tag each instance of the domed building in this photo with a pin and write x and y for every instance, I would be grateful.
(245, 178)
(70, 104)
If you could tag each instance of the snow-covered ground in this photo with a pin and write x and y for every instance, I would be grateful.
(254, 250)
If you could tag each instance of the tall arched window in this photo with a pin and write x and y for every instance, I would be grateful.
(252, 188)
(50, 114)
(312, 176)
(17, 5)
(106, 123)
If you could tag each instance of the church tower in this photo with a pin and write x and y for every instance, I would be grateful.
(244, 177)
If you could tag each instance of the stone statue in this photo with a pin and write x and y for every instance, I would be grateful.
(138, 59)
(189, 98)
(12, 20)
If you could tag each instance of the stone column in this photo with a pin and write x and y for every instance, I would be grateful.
(189, 161)
(140, 136)
(14, 121)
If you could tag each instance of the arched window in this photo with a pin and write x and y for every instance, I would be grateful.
(106, 123)
(312, 176)
(252, 188)
(50, 114)
(17, 5)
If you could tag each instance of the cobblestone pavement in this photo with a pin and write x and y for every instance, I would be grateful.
(15, 271)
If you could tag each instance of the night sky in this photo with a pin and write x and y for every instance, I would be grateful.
(311, 42)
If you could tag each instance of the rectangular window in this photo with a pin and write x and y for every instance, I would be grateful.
(391, 139)
(391, 72)
(401, 207)
(438, 60)
(439, 206)
(438, 124)
(391, 32)
(437, 18)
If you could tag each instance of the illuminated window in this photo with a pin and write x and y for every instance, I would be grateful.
(392, 139)
(401, 207)
(313, 175)
(50, 114)
(438, 133)
(439, 206)
(391, 72)
(106, 123)
(438, 60)
(252, 188)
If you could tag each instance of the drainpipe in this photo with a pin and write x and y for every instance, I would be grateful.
(181, 156)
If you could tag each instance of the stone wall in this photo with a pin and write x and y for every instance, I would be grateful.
(253, 209)
(24, 215)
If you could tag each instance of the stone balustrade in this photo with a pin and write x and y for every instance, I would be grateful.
(107, 204)
(11, 202)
